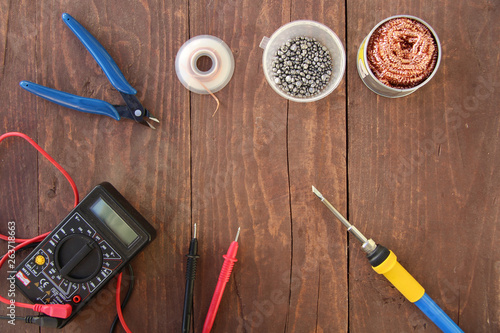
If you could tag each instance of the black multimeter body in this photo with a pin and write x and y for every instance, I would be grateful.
(87, 249)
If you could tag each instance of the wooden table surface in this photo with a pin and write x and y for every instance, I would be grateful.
(418, 174)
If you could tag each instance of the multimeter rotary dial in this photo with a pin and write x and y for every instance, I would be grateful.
(78, 258)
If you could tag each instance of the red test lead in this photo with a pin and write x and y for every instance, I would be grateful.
(225, 273)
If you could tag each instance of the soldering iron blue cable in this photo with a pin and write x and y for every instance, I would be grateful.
(437, 315)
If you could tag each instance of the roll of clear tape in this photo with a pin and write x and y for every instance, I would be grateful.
(212, 80)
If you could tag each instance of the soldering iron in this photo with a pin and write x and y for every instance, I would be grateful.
(384, 262)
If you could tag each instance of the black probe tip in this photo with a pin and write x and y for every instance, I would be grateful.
(190, 277)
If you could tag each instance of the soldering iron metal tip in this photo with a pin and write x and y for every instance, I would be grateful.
(194, 233)
(315, 191)
(368, 244)
(237, 235)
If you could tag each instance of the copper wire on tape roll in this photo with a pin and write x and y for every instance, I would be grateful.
(217, 76)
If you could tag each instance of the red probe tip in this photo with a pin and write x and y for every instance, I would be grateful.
(227, 268)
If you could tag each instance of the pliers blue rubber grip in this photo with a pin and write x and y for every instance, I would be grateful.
(133, 108)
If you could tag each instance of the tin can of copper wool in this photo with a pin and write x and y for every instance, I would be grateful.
(400, 54)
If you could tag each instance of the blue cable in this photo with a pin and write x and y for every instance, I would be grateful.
(437, 315)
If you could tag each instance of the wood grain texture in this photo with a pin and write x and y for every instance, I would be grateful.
(150, 168)
(239, 163)
(418, 174)
(422, 179)
(18, 160)
(317, 156)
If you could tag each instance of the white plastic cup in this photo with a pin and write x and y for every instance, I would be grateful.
(369, 79)
(304, 28)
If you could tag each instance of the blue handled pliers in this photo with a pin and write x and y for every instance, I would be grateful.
(133, 108)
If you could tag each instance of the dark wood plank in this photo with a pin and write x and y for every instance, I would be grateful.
(239, 163)
(19, 160)
(18, 167)
(419, 174)
(317, 156)
(150, 168)
(422, 173)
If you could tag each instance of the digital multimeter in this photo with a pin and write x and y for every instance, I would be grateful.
(90, 246)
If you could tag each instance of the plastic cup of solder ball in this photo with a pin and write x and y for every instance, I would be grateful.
(311, 29)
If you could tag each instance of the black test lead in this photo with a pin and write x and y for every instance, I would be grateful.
(190, 276)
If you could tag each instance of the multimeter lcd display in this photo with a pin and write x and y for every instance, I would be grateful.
(114, 222)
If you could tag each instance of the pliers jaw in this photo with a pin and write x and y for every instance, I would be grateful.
(135, 111)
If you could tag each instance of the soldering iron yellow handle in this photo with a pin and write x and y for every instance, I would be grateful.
(400, 278)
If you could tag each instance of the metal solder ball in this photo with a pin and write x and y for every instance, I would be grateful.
(302, 63)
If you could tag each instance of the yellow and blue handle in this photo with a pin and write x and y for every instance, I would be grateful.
(385, 262)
